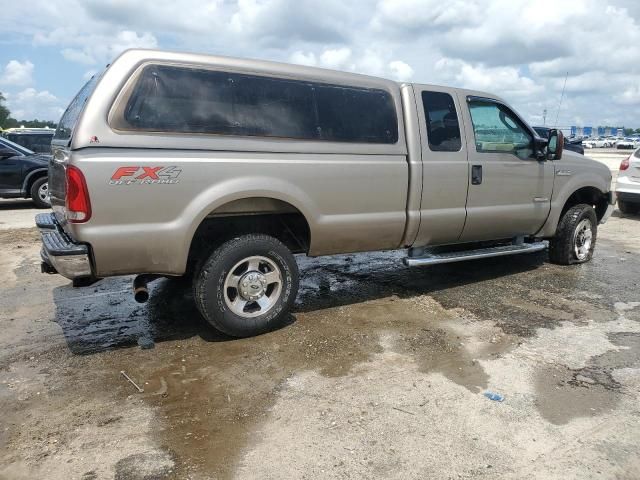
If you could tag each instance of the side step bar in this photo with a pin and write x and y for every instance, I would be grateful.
(450, 257)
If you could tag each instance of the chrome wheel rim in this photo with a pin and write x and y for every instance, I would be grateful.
(582, 239)
(253, 286)
(43, 192)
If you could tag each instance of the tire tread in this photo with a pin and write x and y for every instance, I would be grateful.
(561, 245)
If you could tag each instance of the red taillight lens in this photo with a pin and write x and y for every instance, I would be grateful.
(624, 164)
(77, 199)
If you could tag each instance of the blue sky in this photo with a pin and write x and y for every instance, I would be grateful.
(519, 49)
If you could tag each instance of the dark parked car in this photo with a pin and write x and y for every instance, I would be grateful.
(35, 139)
(23, 173)
(573, 145)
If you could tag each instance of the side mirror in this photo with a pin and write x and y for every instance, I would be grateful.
(6, 153)
(555, 145)
(540, 148)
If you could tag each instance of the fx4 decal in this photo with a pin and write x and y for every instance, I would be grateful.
(145, 175)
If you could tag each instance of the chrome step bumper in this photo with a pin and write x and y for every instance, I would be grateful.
(59, 253)
(451, 257)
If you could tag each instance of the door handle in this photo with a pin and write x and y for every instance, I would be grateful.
(476, 174)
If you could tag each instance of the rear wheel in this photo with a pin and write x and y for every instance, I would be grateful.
(575, 238)
(40, 193)
(628, 208)
(247, 285)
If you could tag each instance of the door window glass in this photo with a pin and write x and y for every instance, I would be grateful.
(497, 130)
(443, 131)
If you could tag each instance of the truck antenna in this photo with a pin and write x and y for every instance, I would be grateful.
(561, 97)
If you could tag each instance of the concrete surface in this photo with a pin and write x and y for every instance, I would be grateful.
(17, 213)
(379, 374)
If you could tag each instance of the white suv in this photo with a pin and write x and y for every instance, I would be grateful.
(628, 184)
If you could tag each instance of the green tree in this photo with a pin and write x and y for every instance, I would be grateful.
(4, 111)
(7, 121)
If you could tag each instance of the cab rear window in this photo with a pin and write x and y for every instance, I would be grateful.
(72, 113)
(188, 100)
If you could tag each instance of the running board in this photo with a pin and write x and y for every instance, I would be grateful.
(450, 257)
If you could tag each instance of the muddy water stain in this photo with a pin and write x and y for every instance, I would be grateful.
(560, 400)
(564, 394)
(211, 397)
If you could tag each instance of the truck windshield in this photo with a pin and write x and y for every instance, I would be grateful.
(72, 113)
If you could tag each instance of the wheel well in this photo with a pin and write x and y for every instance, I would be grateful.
(591, 196)
(34, 176)
(250, 215)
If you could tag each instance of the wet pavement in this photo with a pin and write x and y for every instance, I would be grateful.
(379, 373)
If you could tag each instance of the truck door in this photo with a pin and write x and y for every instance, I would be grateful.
(444, 166)
(509, 189)
(11, 173)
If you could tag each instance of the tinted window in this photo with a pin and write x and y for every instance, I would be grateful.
(174, 99)
(443, 131)
(355, 115)
(37, 142)
(14, 146)
(542, 131)
(72, 113)
(498, 130)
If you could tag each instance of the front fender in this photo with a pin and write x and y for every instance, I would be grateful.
(566, 183)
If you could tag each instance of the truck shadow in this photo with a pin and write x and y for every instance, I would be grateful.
(104, 316)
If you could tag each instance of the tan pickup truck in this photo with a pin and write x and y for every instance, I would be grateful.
(221, 169)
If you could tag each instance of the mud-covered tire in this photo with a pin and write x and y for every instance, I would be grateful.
(628, 208)
(213, 297)
(36, 192)
(563, 247)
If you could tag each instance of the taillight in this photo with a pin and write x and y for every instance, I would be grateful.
(625, 163)
(77, 198)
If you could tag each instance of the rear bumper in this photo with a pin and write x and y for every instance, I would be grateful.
(59, 253)
(626, 185)
(631, 197)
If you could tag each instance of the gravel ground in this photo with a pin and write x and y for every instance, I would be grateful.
(380, 372)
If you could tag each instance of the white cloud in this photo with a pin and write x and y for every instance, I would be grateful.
(505, 80)
(17, 74)
(96, 49)
(30, 104)
(631, 96)
(400, 71)
(337, 58)
(303, 58)
(518, 49)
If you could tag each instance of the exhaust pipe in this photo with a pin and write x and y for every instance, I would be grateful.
(140, 289)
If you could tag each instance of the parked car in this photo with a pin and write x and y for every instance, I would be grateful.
(575, 145)
(627, 144)
(23, 173)
(599, 142)
(221, 169)
(628, 184)
(37, 140)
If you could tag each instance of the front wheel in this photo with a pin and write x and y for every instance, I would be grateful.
(575, 238)
(40, 193)
(247, 285)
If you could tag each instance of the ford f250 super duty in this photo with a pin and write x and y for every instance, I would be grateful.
(221, 169)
